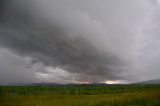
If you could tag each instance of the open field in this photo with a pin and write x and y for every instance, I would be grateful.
(80, 95)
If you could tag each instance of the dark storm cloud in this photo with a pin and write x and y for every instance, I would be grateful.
(52, 47)
(94, 42)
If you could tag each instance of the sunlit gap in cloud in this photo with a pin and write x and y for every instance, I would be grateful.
(115, 82)
(106, 82)
(54, 74)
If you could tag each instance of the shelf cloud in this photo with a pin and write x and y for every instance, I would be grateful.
(68, 41)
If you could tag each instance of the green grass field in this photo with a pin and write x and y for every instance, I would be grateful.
(76, 95)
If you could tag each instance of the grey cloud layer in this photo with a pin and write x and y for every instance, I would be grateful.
(94, 40)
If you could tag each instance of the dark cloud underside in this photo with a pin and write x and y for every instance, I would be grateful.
(80, 41)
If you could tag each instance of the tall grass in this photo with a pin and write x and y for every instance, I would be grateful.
(116, 95)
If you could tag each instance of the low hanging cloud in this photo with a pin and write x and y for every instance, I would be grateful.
(92, 41)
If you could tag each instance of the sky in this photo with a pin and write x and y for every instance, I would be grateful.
(79, 41)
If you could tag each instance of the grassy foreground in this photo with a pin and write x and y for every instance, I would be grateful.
(88, 95)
